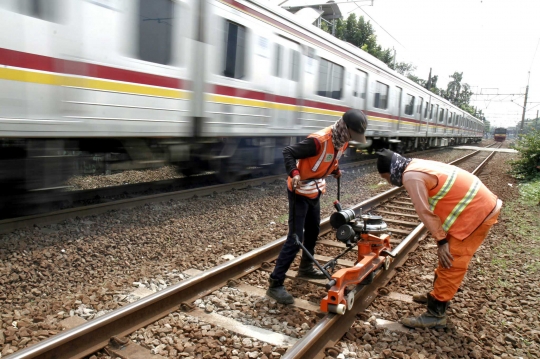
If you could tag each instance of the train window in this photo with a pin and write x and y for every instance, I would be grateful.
(330, 79)
(409, 105)
(431, 112)
(360, 85)
(155, 30)
(295, 70)
(235, 45)
(450, 118)
(426, 110)
(381, 95)
(420, 105)
(441, 115)
(40, 9)
(278, 59)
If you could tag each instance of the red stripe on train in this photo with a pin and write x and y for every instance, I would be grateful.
(69, 67)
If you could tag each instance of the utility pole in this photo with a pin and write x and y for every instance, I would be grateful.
(525, 104)
(394, 57)
(536, 125)
(428, 83)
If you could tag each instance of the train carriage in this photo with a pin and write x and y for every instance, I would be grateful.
(202, 84)
(499, 134)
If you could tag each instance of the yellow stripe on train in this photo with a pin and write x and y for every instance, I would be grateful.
(89, 83)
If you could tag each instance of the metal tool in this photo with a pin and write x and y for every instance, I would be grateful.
(368, 233)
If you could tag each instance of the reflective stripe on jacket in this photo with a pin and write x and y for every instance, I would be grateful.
(460, 199)
(314, 169)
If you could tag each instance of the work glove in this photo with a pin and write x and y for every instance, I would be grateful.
(295, 181)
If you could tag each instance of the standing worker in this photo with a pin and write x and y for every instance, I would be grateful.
(458, 210)
(308, 163)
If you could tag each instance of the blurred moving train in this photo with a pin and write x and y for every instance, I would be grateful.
(222, 85)
(499, 134)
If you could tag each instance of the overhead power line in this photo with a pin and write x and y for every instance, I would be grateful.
(532, 62)
(380, 25)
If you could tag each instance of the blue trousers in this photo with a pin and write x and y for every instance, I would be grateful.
(307, 219)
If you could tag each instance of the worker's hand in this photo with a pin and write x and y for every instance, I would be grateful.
(338, 174)
(295, 181)
(445, 258)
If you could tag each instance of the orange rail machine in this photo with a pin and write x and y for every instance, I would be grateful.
(373, 254)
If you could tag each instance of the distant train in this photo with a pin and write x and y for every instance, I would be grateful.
(218, 85)
(499, 134)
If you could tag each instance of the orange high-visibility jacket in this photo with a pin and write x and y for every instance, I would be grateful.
(314, 169)
(460, 199)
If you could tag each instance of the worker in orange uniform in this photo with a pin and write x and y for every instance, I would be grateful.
(308, 163)
(458, 210)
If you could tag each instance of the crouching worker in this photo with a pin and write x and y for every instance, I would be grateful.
(308, 163)
(458, 210)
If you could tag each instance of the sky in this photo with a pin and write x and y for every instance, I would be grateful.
(495, 44)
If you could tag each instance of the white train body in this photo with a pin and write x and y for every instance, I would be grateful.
(219, 82)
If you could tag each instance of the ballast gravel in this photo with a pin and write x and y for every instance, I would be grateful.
(87, 267)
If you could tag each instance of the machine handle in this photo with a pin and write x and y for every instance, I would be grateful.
(330, 284)
(339, 190)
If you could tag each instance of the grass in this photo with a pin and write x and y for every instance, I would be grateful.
(521, 218)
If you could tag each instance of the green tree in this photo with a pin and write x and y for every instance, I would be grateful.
(365, 30)
(340, 29)
(417, 79)
(404, 68)
(454, 87)
(527, 165)
(351, 29)
(464, 99)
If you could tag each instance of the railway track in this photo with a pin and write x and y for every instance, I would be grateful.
(114, 197)
(96, 334)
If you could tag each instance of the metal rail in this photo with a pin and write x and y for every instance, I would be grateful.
(95, 334)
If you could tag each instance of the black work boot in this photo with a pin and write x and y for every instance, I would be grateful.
(306, 270)
(435, 317)
(277, 291)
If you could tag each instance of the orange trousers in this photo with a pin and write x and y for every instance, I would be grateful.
(448, 280)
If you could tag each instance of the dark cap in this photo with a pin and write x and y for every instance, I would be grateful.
(357, 122)
(384, 161)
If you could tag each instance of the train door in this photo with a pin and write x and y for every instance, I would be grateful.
(398, 105)
(435, 116)
(360, 90)
(284, 93)
(441, 120)
(143, 50)
(419, 113)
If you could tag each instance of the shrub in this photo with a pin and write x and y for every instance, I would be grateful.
(526, 167)
(530, 192)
